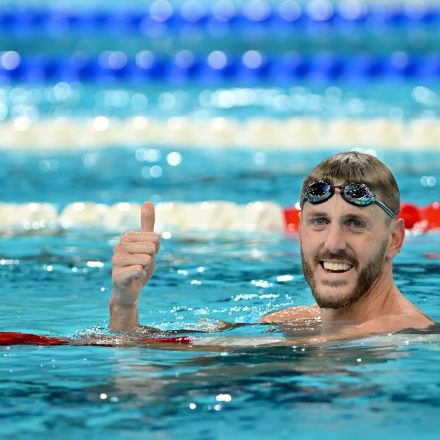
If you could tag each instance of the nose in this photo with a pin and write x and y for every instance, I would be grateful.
(335, 239)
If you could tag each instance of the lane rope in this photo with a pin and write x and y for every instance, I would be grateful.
(295, 133)
(217, 67)
(172, 217)
(18, 338)
(169, 16)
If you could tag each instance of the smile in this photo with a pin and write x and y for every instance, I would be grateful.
(337, 267)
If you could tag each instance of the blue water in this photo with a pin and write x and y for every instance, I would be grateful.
(116, 174)
(58, 284)
(390, 97)
(51, 284)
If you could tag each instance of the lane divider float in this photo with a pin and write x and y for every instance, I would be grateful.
(171, 217)
(18, 338)
(217, 67)
(295, 133)
(172, 16)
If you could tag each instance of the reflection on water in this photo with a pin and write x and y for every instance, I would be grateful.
(366, 373)
(143, 389)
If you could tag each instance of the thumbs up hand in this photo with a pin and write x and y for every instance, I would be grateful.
(133, 265)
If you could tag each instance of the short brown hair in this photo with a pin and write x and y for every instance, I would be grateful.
(353, 166)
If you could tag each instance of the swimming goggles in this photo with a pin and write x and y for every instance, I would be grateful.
(355, 193)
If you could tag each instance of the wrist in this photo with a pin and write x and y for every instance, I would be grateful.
(123, 316)
(121, 299)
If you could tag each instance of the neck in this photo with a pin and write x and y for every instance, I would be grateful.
(380, 299)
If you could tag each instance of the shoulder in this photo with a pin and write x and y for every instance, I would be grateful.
(415, 320)
(394, 323)
(406, 315)
(291, 314)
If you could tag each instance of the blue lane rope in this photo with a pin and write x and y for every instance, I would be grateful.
(251, 67)
(291, 15)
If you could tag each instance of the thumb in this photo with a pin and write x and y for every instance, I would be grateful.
(147, 217)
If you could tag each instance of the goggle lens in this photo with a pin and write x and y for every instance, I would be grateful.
(358, 192)
(319, 189)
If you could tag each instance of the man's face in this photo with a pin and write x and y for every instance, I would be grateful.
(343, 249)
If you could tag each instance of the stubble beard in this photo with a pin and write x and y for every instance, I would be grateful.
(367, 277)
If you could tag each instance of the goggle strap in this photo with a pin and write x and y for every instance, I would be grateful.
(388, 210)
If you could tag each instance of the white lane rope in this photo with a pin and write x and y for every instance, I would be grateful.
(296, 133)
(121, 217)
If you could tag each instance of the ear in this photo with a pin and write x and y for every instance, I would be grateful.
(397, 236)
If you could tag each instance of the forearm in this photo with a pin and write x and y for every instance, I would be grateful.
(123, 317)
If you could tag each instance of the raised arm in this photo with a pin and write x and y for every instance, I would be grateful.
(133, 264)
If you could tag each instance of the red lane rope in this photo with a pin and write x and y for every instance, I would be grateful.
(177, 340)
(16, 338)
(415, 217)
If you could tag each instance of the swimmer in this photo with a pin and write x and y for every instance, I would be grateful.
(349, 234)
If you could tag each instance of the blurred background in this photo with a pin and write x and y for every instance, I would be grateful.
(235, 59)
(257, 76)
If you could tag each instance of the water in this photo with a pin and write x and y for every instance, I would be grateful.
(60, 284)
(390, 97)
(117, 174)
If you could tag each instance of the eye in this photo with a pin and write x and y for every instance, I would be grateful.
(319, 222)
(355, 223)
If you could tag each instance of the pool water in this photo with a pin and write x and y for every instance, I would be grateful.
(59, 284)
(112, 175)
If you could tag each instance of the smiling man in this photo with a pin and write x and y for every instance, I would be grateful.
(349, 234)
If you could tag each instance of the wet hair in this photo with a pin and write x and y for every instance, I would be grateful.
(353, 166)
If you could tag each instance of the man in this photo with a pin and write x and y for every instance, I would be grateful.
(349, 234)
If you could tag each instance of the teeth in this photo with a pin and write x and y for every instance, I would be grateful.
(336, 266)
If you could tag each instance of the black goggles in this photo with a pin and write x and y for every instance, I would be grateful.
(355, 193)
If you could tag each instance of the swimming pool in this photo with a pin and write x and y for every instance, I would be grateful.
(107, 105)
(58, 283)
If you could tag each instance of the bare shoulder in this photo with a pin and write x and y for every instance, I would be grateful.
(415, 320)
(380, 325)
(393, 323)
(291, 314)
(408, 315)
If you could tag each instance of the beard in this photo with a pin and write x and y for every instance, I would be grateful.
(367, 277)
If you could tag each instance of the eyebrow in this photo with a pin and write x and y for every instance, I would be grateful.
(349, 216)
(361, 217)
(317, 214)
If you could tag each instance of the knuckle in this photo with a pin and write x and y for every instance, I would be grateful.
(137, 270)
(148, 259)
(155, 241)
(152, 248)
(125, 237)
